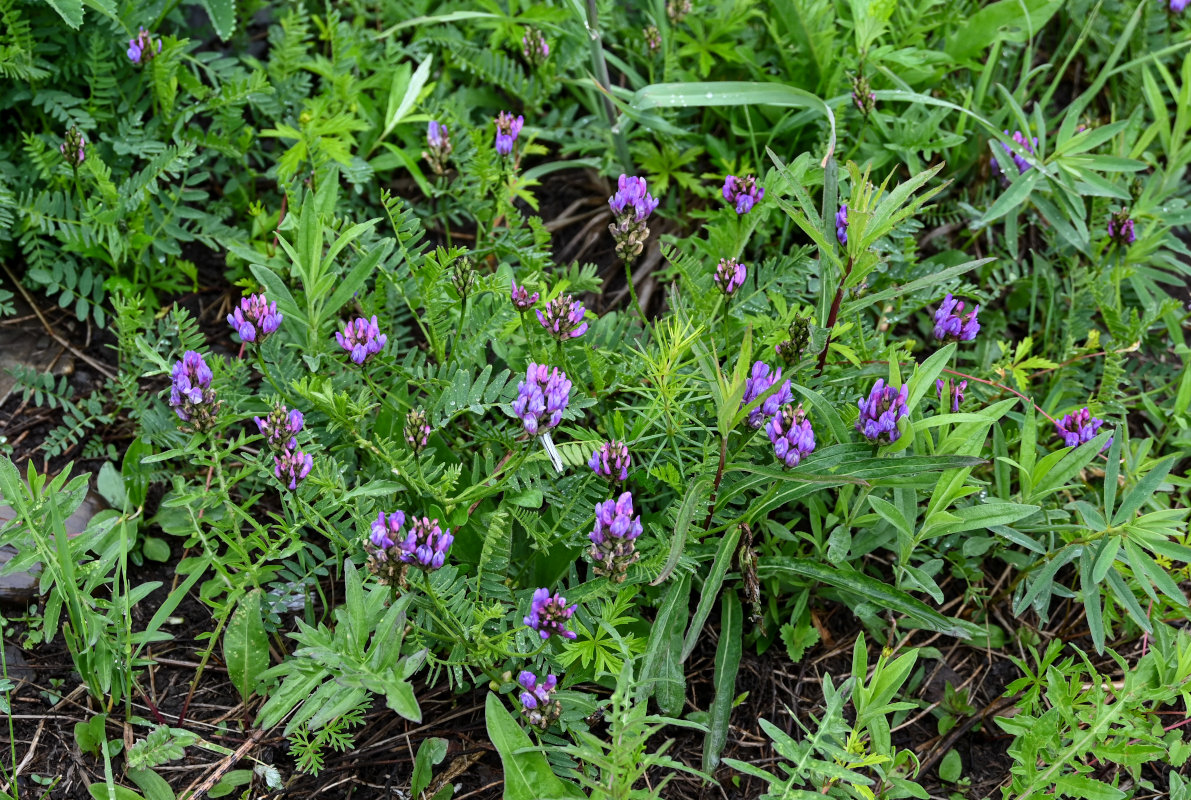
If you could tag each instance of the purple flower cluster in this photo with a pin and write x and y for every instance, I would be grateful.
(73, 148)
(653, 37)
(292, 466)
(760, 379)
(613, 540)
(255, 312)
(563, 318)
(841, 224)
(362, 339)
(507, 128)
(438, 146)
(956, 392)
(143, 47)
(1030, 146)
(677, 10)
(730, 275)
(280, 427)
(950, 323)
(537, 701)
(743, 193)
(541, 398)
(534, 47)
(191, 395)
(1120, 228)
(522, 299)
(611, 461)
(881, 411)
(549, 614)
(631, 205)
(417, 430)
(1080, 427)
(791, 434)
(423, 544)
(1178, 6)
(863, 97)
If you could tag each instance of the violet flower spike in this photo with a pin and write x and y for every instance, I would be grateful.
(1178, 6)
(730, 275)
(541, 398)
(425, 544)
(292, 466)
(743, 193)
(141, 47)
(613, 547)
(385, 531)
(438, 146)
(362, 339)
(759, 381)
(841, 224)
(945, 390)
(73, 148)
(653, 37)
(950, 323)
(537, 701)
(507, 128)
(417, 430)
(550, 614)
(1079, 428)
(534, 47)
(1019, 161)
(191, 395)
(563, 318)
(880, 412)
(1120, 229)
(522, 299)
(631, 205)
(791, 435)
(255, 312)
(611, 461)
(280, 426)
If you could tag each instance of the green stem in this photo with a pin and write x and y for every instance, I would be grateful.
(628, 279)
(600, 66)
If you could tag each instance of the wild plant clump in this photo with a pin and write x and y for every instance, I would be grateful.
(604, 380)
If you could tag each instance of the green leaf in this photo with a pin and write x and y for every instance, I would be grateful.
(1144, 489)
(223, 16)
(246, 645)
(727, 662)
(662, 670)
(110, 485)
(951, 768)
(155, 549)
(852, 582)
(1087, 788)
(711, 588)
(527, 773)
(686, 513)
(430, 752)
(153, 785)
(101, 791)
(1008, 20)
(71, 11)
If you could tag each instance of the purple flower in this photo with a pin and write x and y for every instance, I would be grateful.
(841, 224)
(730, 275)
(191, 395)
(534, 47)
(1120, 228)
(632, 204)
(507, 128)
(758, 383)
(541, 398)
(563, 318)
(362, 339)
(956, 392)
(863, 97)
(632, 193)
(1177, 6)
(254, 312)
(611, 461)
(537, 701)
(438, 144)
(522, 299)
(280, 426)
(550, 614)
(292, 466)
(1030, 146)
(1080, 427)
(881, 411)
(141, 47)
(423, 544)
(743, 193)
(613, 547)
(73, 148)
(951, 325)
(653, 37)
(791, 435)
(417, 430)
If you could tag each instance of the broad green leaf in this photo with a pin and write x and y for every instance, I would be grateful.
(686, 512)
(71, 11)
(223, 16)
(727, 662)
(246, 645)
(711, 588)
(153, 785)
(430, 753)
(662, 669)
(1007, 20)
(856, 583)
(527, 773)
